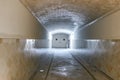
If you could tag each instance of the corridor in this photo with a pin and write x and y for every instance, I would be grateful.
(59, 39)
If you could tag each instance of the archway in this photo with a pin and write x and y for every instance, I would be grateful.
(61, 39)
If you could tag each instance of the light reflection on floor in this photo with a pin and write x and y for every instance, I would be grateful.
(63, 64)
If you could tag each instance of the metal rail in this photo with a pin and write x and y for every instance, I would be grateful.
(49, 67)
(84, 67)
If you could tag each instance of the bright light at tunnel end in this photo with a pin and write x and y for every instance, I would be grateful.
(62, 31)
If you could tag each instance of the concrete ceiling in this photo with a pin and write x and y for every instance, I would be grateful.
(69, 14)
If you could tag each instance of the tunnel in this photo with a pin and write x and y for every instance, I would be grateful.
(59, 39)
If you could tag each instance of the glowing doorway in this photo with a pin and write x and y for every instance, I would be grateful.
(62, 31)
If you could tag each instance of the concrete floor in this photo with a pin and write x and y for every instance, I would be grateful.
(60, 64)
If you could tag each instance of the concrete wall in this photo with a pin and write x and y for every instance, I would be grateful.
(15, 63)
(106, 28)
(105, 56)
(42, 43)
(17, 22)
(79, 44)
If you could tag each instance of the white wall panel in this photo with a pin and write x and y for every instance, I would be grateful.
(16, 21)
(106, 28)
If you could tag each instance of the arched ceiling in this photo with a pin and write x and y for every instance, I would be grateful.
(69, 14)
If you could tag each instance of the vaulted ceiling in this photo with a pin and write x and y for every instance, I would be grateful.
(69, 14)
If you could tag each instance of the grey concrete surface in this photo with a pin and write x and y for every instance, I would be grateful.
(65, 64)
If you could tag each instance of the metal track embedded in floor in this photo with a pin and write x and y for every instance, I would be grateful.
(49, 66)
(84, 67)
